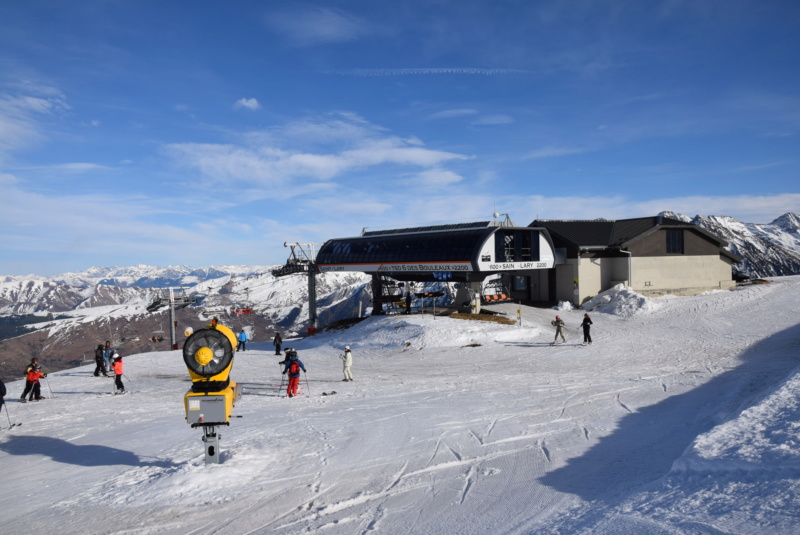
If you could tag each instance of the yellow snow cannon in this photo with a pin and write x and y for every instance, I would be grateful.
(208, 354)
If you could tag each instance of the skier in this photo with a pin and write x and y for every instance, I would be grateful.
(2, 393)
(33, 379)
(347, 360)
(586, 324)
(100, 360)
(242, 341)
(28, 385)
(108, 353)
(558, 323)
(277, 341)
(118, 374)
(293, 366)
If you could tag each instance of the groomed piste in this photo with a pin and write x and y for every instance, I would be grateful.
(681, 417)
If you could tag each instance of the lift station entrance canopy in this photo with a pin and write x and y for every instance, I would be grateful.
(464, 251)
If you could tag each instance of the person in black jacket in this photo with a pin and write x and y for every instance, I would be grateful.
(277, 341)
(2, 393)
(28, 383)
(100, 360)
(586, 324)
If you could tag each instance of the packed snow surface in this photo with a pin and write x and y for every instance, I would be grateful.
(682, 417)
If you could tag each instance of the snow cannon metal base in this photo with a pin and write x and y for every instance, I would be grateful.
(208, 354)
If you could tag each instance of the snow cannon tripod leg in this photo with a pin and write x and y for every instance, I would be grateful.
(211, 441)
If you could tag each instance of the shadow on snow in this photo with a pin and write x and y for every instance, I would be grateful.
(69, 453)
(646, 443)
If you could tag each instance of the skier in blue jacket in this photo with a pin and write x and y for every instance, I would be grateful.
(242, 341)
(293, 367)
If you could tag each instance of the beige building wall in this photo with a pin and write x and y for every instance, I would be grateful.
(680, 274)
(651, 276)
(598, 275)
(565, 275)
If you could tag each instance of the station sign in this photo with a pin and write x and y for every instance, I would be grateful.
(394, 267)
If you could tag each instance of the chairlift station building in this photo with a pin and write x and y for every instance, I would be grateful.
(547, 261)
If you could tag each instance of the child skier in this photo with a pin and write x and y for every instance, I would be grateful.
(32, 379)
(118, 374)
(347, 360)
(28, 384)
(558, 323)
(293, 366)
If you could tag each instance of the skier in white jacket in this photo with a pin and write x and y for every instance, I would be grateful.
(347, 359)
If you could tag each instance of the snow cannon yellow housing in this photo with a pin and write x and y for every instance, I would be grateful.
(208, 354)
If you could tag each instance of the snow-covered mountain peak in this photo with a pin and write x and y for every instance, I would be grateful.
(788, 222)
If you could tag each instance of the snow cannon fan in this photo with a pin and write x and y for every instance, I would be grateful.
(208, 354)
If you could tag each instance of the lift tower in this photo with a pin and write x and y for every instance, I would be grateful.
(303, 259)
(176, 298)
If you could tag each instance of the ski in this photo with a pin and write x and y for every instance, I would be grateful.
(12, 426)
(107, 394)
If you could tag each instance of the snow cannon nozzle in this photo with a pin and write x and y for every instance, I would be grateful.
(208, 355)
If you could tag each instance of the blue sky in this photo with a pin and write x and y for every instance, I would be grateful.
(210, 133)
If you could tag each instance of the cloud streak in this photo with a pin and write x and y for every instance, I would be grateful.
(424, 71)
(317, 26)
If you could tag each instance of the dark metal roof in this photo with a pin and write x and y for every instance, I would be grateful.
(421, 246)
(604, 233)
(431, 228)
(580, 233)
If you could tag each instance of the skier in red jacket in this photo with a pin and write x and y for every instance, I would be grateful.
(118, 374)
(32, 379)
(293, 366)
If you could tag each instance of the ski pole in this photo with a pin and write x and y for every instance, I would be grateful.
(126, 378)
(307, 385)
(8, 416)
(47, 382)
(282, 376)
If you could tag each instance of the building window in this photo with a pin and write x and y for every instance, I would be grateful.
(674, 241)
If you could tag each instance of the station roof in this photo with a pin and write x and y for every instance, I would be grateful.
(605, 233)
(430, 228)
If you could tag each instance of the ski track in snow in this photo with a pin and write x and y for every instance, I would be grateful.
(510, 436)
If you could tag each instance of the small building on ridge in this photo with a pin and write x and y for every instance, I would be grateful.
(650, 255)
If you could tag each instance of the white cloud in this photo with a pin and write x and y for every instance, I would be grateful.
(248, 103)
(19, 119)
(433, 178)
(317, 150)
(318, 25)
(451, 114)
(488, 120)
(552, 152)
(424, 71)
(79, 167)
